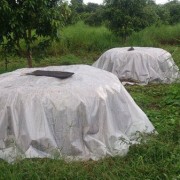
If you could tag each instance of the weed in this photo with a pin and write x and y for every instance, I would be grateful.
(158, 158)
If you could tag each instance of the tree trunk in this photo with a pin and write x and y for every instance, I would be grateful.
(19, 47)
(29, 58)
(29, 52)
(6, 63)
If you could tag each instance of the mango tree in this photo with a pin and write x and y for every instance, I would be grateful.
(127, 16)
(26, 20)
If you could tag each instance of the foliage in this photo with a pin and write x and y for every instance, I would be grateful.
(91, 7)
(127, 16)
(81, 37)
(124, 17)
(88, 43)
(85, 12)
(94, 19)
(158, 157)
(82, 41)
(174, 9)
(77, 8)
(77, 5)
(27, 20)
(163, 14)
(94, 14)
(156, 36)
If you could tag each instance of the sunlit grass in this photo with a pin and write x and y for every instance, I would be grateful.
(157, 159)
(156, 36)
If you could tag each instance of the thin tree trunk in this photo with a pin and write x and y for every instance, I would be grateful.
(19, 47)
(29, 52)
(29, 58)
(6, 63)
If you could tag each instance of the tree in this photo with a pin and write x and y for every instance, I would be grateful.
(27, 20)
(93, 14)
(77, 5)
(174, 10)
(126, 16)
(163, 14)
(91, 7)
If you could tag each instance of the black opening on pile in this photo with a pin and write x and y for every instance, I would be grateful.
(131, 49)
(56, 74)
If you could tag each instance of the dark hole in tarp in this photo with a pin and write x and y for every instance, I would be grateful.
(131, 49)
(56, 74)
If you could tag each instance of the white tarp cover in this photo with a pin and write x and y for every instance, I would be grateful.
(87, 116)
(142, 65)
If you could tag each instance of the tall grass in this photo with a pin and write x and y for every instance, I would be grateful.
(156, 36)
(164, 36)
(78, 44)
(80, 38)
(83, 44)
(159, 158)
(16, 62)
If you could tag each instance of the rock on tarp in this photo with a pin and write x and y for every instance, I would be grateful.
(89, 115)
(139, 65)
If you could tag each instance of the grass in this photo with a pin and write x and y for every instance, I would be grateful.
(159, 158)
(157, 36)
(83, 37)
(17, 62)
(81, 43)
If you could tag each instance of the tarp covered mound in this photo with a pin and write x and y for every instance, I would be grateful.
(89, 115)
(140, 65)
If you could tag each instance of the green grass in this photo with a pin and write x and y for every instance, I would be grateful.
(159, 158)
(17, 62)
(81, 38)
(157, 36)
(81, 43)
